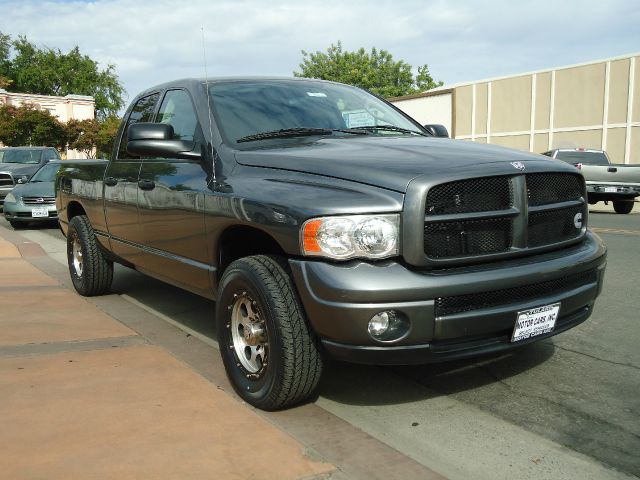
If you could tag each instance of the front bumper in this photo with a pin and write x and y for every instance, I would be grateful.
(340, 299)
(18, 212)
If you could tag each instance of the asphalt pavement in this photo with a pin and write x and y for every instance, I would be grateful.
(566, 407)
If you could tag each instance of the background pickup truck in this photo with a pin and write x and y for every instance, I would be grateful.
(606, 182)
(323, 220)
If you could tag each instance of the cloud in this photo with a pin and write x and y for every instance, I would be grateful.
(154, 41)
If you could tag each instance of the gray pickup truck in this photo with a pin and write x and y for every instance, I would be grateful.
(606, 182)
(324, 221)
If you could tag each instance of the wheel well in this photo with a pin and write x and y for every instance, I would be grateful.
(238, 242)
(74, 209)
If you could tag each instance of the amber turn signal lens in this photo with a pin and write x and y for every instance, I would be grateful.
(309, 240)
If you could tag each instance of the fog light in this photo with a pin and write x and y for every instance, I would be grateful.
(388, 326)
(379, 323)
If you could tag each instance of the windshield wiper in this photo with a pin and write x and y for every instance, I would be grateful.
(298, 132)
(390, 128)
(285, 133)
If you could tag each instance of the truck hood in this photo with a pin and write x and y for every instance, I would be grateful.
(16, 169)
(37, 189)
(388, 162)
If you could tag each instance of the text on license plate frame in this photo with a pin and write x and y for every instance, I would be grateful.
(39, 212)
(535, 321)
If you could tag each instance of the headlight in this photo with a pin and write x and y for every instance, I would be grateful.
(10, 198)
(344, 237)
(23, 178)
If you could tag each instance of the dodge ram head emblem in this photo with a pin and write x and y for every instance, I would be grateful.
(518, 165)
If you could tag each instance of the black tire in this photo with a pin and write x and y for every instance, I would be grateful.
(18, 225)
(93, 273)
(623, 207)
(290, 370)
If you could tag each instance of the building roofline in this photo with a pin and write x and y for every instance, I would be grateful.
(449, 88)
(37, 96)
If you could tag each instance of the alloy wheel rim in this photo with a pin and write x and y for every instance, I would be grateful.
(248, 335)
(77, 256)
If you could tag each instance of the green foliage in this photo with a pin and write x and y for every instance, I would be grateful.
(93, 137)
(5, 48)
(28, 125)
(375, 71)
(48, 71)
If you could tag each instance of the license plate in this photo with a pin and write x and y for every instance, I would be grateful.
(39, 212)
(610, 189)
(535, 321)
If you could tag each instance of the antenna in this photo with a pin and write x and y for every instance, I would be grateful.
(206, 81)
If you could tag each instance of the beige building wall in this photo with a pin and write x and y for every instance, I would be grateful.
(592, 105)
(78, 107)
(429, 107)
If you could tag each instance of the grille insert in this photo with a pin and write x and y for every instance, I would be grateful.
(6, 180)
(546, 188)
(476, 301)
(466, 196)
(551, 226)
(468, 237)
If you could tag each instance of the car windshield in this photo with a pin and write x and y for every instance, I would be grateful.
(46, 173)
(21, 156)
(579, 156)
(247, 108)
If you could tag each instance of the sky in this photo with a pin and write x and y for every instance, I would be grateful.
(152, 41)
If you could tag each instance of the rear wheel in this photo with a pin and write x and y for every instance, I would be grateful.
(622, 206)
(269, 352)
(91, 273)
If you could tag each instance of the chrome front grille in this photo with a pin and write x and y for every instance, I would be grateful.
(39, 200)
(484, 218)
(6, 180)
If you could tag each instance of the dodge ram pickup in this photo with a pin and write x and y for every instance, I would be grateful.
(606, 182)
(324, 221)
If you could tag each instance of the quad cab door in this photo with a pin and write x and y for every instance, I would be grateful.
(171, 204)
(121, 188)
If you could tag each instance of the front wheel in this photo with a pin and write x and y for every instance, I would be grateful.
(269, 352)
(91, 273)
(623, 207)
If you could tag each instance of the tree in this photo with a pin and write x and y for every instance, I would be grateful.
(5, 48)
(49, 71)
(92, 137)
(28, 125)
(376, 71)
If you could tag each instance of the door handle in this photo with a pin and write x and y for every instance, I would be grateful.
(612, 169)
(146, 184)
(110, 181)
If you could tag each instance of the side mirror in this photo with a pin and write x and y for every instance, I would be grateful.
(437, 130)
(156, 140)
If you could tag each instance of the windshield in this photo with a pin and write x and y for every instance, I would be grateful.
(250, 107)
(21, 156)
(588, 158)
(46, 173)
